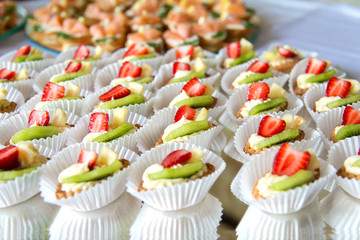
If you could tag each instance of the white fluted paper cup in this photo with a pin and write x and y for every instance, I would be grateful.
(196, 222)
(13, 95)
(220, 58)
(285, 202)
(156, 125)
(18, 122)
(22, 188)
(100, 195)
(180, 195)
(118, 55)
(209, 57)
(231, 151)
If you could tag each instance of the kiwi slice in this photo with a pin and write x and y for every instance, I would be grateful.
(1, 106)
(347, 131)
(34, 57)
(322, 77)
(284, 136)
(256, 77)
(267, 105)
(11, 175)
(185, 171)
(70, 98)
(35, 132)
(150, 55)
(196, 102)
(246, 57)
(344, 101)
(125, 101)
(296, 180)
(356, 163)
(188, 77)
(114, 134)
(144, 80)
(187, 129)
(67, 77)
(95, 174)
(20, 59)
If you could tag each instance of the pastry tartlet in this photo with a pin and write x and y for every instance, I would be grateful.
(130, 72)
(6, 106)
(138, 51)
(349, 127)
(284, 58)
(183, 72)
(236, 53)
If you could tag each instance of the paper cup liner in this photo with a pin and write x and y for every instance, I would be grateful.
(155, 127)
(220, 58)
(145, 109)
(22, 188)
(13, 95)
(77, 134)
(219, 143)
(180, 195)
(231, 151)
(110, 222)
(196, 222)
(84, 82)
(118, 55)
(18, 122)
(285, 202)
(170, 56)
(100, 195)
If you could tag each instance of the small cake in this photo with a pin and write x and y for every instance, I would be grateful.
(183, 72)
(138, 52)
(351, 167)
(148, 36)
(349, 127)
(73, 70)
(133, 73)
(27, 54)
(5, 105)
(181, 34)
(188, 53)
(8, 76)
(292, 168)
(238, 52)
(82, 53)
(212, 33)
(284, 58)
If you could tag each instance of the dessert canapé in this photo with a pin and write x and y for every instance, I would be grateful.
(133, 73)
(238, 52)
(5, 105)
(351, 168)
(283, 58)
(8, 76)
(27, 54)
(138, 51)
(183, 72)
(349, 127)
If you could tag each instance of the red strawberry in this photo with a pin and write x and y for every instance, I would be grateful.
(258, 90)
(119, 91)
(337, 88)
(286, 53)
(73, 67)
(129, 70)
(9, 158)
(52, 91)
(233, 50)
(136, 50)
(194, 87)
(351, 116)
(359, 152)
(6, 74)
(186, 111)
(39, 118)
(184, 51)
(289, 160)
(89, 157)
(258, 67)
(82, 52)
(24, 50)
(315, 66)
(98, 122)
(270, 126)
(180, 66)
(176, 157)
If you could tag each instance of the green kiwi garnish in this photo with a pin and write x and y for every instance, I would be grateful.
(256, 77)
(267, 106)
(344, 101)
(347, 131)
(114, 134)
(188, 77)
(322, 77)
(67, 77)
(36, 132)
(196, 102)
(284, 136)
(187, 129)
(150, 55)
(125, 101)
(296, 180)
(246, 57)
(182, 172)
(11, 175)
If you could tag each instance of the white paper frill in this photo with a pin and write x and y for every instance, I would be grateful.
(13, 95)
(209, 57)
(118, 55)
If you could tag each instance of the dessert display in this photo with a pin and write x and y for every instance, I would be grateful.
(5, 105)
(130, 72)
(27, 54)
(73, 70)
(284, 58)
(237, 53)
(138, 51)
(82, 53)
(8, 16)
(349, 127)
(183, 72)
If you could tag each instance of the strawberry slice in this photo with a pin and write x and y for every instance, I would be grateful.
(316, 66)
(9, 158)
(89, 157)
(39, 118)
(129, 70)
(73, 67)
(337, 88)
(6, 74)
(258, 90)
(289, 160)
(136, 50)
(359, 152)
(52, 91)
(286, 53)
(194, 87)
(98, 122)
(81, 52)
(351, 116)
(24, 50)
(259, 67)
(270, 126)
(119, 91)
(180, 66)
(184, 51)
(176, 157)
(233, 50)
(186, 111)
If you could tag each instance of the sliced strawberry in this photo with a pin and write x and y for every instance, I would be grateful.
(289, 160)
(98, 122)
(89, 157)
(136, 50)
(39, 118)
(258, 90)
(286, 53)
(176, 157)
(351, 116)
(316, 66)
(233, 50)
(194, 87)
(129, 70)
(186, 111)
(184, 51)
(337, 88)
(52, 91)
(73, 67)
(6, 74)
(119, 91)
(259, 67)
(24, 50)
(9, 158)
(82, 52)
(359, 152)
(270, 126)
(180, 66)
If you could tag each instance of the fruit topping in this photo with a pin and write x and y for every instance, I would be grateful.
(73, 67)
(296, 180)
(98, 122)
(125, 101)
(286, 53)
(316, 66)
(116, 92)
(24, 50)
(259, 67)
(176, 157)
(185, 171)
(136, 50)
(258, 90)
(194, 88)
(180, 66)
(6, 74)
(107, 156)
(276, 91)
(129, 70)
(293, 121)
(89, 157)
(187, 129)
(113, 134)
(186, 111)
(285, 136)
(39, 118)
(270, 126)
(196, 102)
(81, 52)
(52, 91)
(337, 88)
(184, 51)
(234, 50)
(36, 132)
(266, 106)
(9, 158)
(351, 116)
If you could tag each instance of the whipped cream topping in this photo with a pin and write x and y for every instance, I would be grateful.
(227, 62)
(75, 169)
(129, 58)
(349, 162)
(265, 184)
(254, 140)
(181, 73)
(301, 81)
(250, 104)
(183, 95)
(118, 81)
(337, 128)
(320, 105)
(242, 76)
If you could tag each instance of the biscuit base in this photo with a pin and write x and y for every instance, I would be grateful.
(282, 108)
(7, 107)
(344, 174)
(299, 91)
(287, 66)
